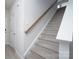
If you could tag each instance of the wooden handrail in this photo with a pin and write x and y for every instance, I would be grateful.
(36, 21)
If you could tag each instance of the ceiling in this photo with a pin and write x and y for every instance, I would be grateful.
(9, 3)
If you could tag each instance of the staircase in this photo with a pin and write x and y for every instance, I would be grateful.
(46, 46)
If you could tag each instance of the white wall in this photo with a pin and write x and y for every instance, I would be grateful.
(65, 30)
(34, 9)
(7, 26)
(17, 26)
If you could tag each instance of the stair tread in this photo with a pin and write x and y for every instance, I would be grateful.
(48, 42)
(49, 33)
(50, 47)
(47, 36)
(51, 29)
(34, 55)
(52, 25)
(44, 52)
